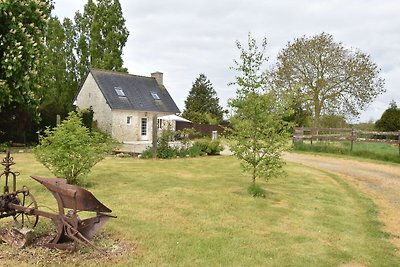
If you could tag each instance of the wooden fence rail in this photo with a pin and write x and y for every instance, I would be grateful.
(337, 134)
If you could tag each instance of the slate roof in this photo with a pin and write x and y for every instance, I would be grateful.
(138, 90)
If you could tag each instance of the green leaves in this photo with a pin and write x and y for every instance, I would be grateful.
(101, 35)
(326, 77)
(258, 133)
(70, 150)
(21, 45)
(202, 103)
(390, 119)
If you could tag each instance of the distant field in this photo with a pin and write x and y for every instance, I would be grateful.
(376, 151)
(196, 212)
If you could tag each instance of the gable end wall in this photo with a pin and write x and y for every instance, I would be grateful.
(91, 96)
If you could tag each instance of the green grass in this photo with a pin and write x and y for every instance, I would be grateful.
(197, 212)
(375, 151)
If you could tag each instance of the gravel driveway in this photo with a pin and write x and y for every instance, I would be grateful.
(380, 182)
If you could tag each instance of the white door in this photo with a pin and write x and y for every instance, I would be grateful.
(144, 129)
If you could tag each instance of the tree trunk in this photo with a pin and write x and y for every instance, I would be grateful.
(317, 114)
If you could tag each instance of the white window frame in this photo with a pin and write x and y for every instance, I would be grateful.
(155, 96)
(143, 127)
(159, 124)
(119, 91)
(129, 120)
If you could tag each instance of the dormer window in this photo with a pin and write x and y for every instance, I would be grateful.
(155, 96)
(119, 91)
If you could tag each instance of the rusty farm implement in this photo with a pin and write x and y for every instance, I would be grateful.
(21, 205)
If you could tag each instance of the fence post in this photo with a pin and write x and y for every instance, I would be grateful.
(298, 133)
(352, 139)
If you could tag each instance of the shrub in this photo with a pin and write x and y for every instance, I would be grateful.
(193, 151)
(256, 191)
(166, 152)
(208, 146)
(87, 118)
(148, 153)
(4, 146)
(70, 150)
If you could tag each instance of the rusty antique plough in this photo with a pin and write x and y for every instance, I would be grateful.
(23, 208)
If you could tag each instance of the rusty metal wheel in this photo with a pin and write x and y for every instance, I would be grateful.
(26, 199)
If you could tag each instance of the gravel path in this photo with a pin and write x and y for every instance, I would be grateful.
(380, 182)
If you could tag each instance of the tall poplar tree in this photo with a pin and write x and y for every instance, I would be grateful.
(59, 74)
(94, 39)
(101, 36)
(202, 103)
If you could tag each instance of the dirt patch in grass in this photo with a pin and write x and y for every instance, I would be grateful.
(109, 250)
(381, 182)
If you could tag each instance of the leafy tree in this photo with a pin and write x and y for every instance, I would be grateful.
(390, 119)
(22, 26)
(59, 73)
(327, 77)
(101, 35)
(70, 150)
(333, 121)
(202, 103)
(94, 39)
(300, 116)
(259, 132)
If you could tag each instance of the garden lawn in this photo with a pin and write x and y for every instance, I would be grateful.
(196, 212)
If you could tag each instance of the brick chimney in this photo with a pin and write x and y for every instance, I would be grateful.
(158, 76)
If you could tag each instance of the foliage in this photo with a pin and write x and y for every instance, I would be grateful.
(17, 124)
(202, 103)
(365, 126)
(256, 190)
(208, 146)
(70, 150)
(390, 119)
(59, 72)
(148, 153)
(4, 146)
(22, 29)
(259, 133)
(87, 118)
(164, 151)
(186, 134)
(300, 116)
(101, 36)
(192, 151)
(327, 77)
(200, 147)
(333, 121)
(93, 39)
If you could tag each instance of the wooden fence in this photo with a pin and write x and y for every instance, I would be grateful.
(352, 135)
(204, 129)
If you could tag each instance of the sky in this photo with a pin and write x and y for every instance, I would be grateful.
(183, 39)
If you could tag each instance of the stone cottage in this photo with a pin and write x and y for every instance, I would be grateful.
(126, 106)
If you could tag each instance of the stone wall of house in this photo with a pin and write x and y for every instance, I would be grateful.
(90, 96)
(129, 130)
